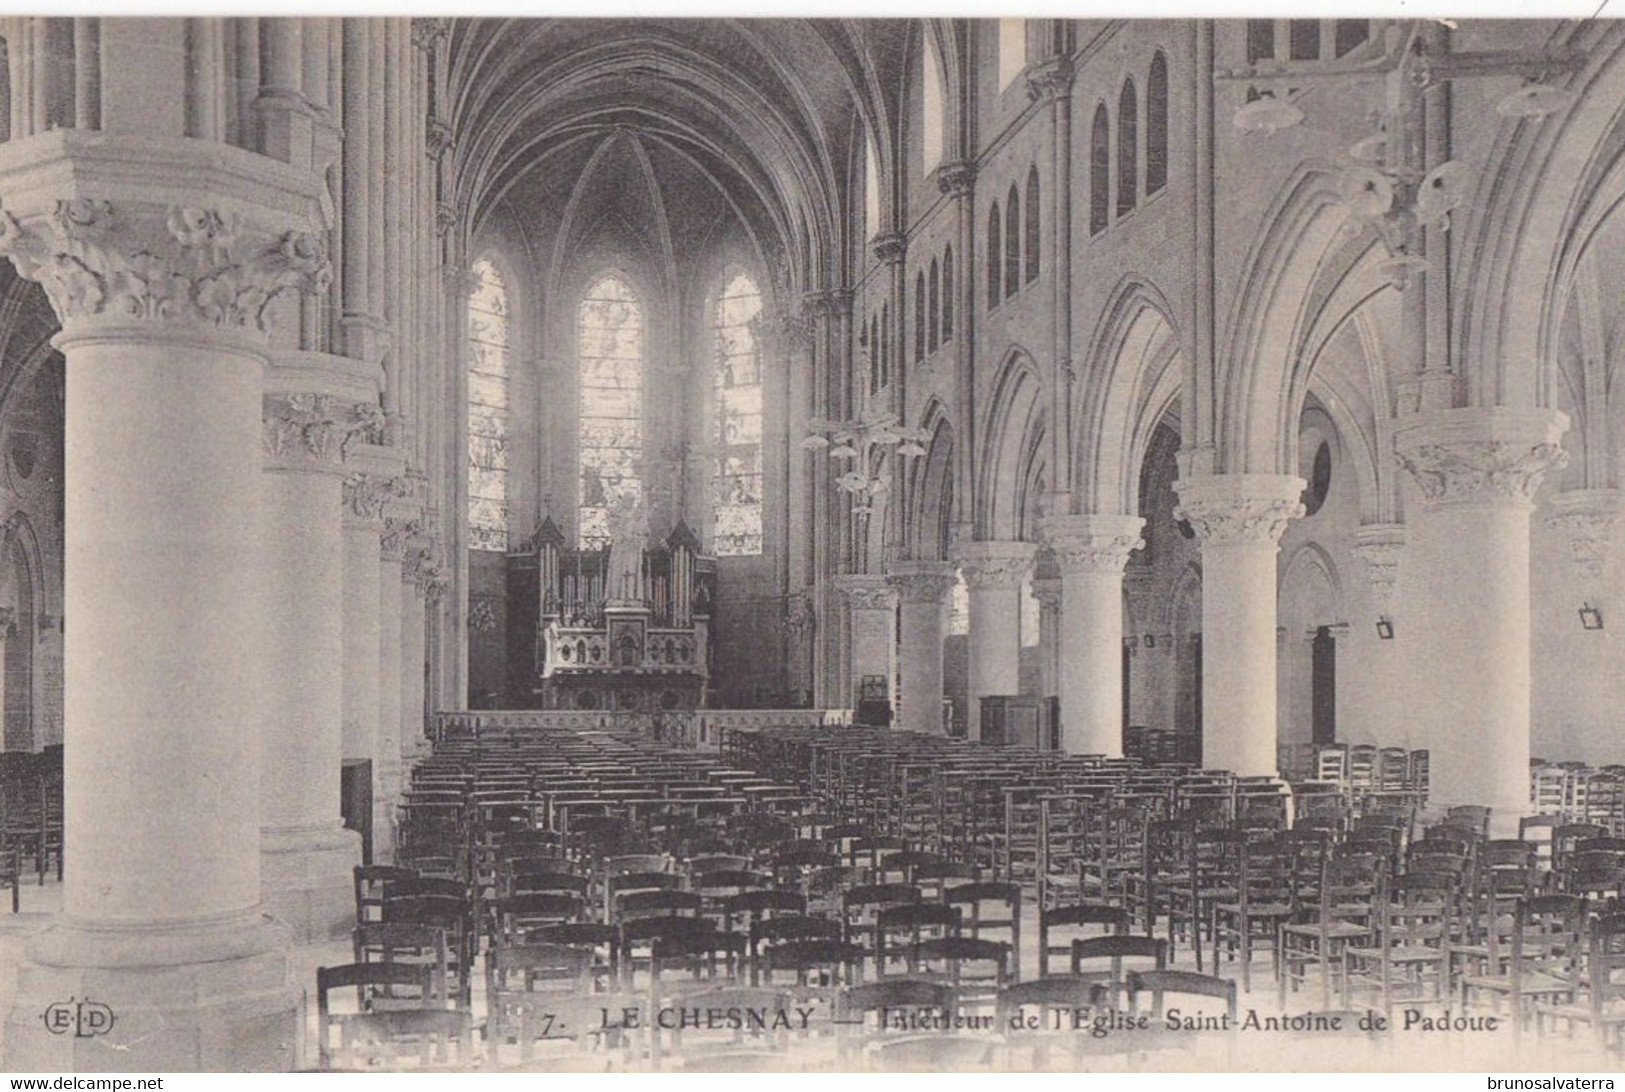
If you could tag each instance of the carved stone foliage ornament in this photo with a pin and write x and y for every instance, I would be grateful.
(957, 179)
(1476, 471)
(1587, 519)
(865, 591)
(1239, 509)
(1093, 544)
(397, 533)
(191, 265)
(988, 564)
(315, 430)
(364, 496)
(923, 583)
(1380, 547)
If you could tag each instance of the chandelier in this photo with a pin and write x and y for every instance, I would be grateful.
(1386, 186)
(856, 444)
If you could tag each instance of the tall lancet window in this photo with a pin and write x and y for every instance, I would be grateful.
(488, 410)
(609, 329)
(737, 486)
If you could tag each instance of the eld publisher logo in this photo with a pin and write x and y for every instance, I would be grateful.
(82, 1019)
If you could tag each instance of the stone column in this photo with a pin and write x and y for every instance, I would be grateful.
(872, 623)
(1585, 524)
(1475, 472)
(165, 297)
(1239, 519)
(1048, 593)
(1385, 704)
(922, 587)
(364, 493)
(315, 405)
(1092, 551)
(400, 525)
(416, 573)
(994, 572)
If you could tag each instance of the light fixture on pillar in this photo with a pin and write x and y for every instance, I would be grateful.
(857, 443)
(1390, 186)
(1590, 617)
(1385, 629)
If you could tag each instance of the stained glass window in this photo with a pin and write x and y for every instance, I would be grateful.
(737, 484)
(488, 410)
(609, 329)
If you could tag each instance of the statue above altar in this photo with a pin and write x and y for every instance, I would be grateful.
(628, 540)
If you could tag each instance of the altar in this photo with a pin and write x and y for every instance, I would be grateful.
(623, 627)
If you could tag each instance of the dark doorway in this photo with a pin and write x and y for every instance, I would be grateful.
(1323, 686)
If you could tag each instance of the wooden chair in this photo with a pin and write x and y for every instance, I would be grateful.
(860, 1010)
(370, 883)
(428, 1040)
(1054, 1015)
(413, 945)
(1060, 926)
(1105, 961)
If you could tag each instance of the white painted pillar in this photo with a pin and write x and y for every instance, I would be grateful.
(315, 404)
(416, 572)
(387, 770)
(363, 520)
(1092, 551)
(922, 588)
(994, 572)
(1475, 472)
(1239, 519)
(163, 920)
(871, 622)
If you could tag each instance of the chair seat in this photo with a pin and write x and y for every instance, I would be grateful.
(1534, 985)
(1258, 910)
(1336, 930)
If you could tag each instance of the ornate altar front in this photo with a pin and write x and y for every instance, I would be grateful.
(620, 628)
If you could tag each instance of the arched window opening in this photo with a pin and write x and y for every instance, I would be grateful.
(931, 105)
(609, 328)
(1128, 171)
(487, 409)
(1012, 50)
(737, 484)
(995, 255)
(934, 309)
(947, 293)
(1012, 243)
(1156, 125)
(1100, 166)
(1032, 243)
(871, 190)
(919, 317)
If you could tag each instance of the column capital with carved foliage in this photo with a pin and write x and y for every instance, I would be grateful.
(1093, 543)
(1480, 456)
(1587, 520)
(1380, 548)
(154, 238)
(891, 248)
(866, 591)
(921, 581)
(1239, 509)
(305, 431)
(957, 178)
(995, 564)
(395, 536)
(1050, 79)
